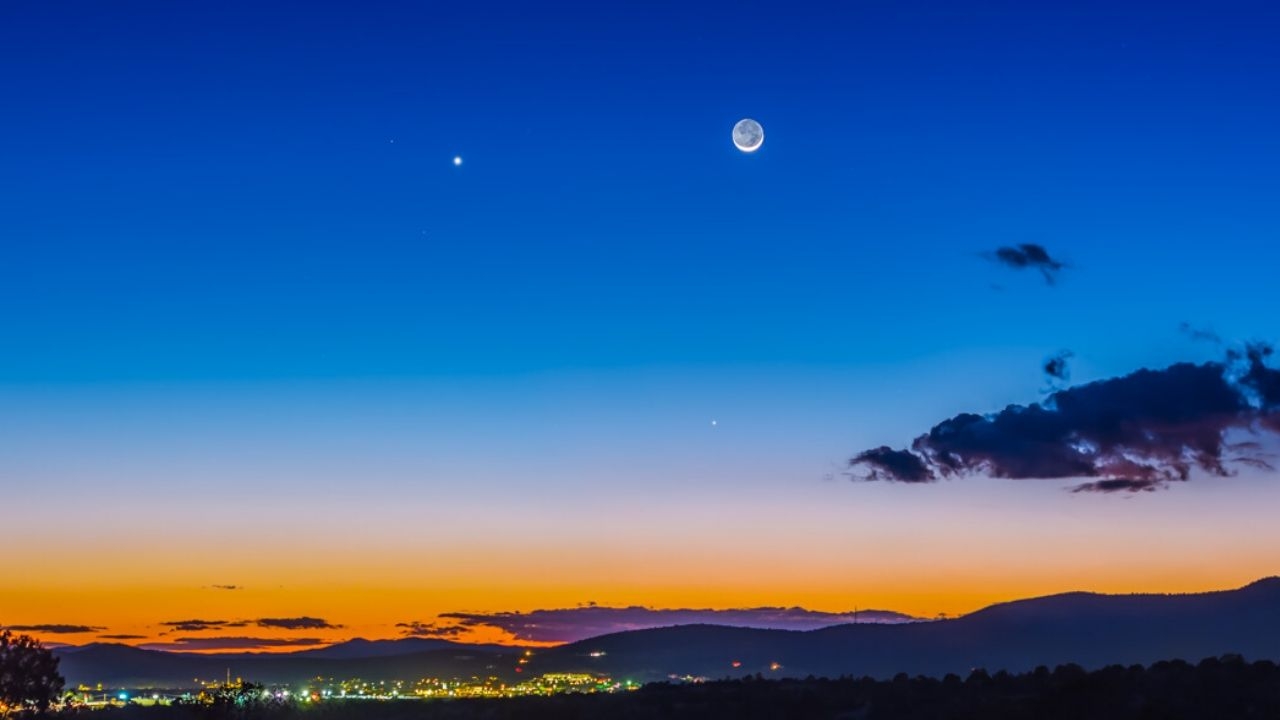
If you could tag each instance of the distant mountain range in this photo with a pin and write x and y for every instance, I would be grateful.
(117, 665)
(1089, 629)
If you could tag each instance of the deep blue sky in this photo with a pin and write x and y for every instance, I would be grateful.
(235, 252)
(212, 191)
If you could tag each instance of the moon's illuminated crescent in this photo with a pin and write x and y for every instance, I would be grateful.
(748, 136)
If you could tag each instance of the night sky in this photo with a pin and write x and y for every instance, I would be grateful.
(269, 353)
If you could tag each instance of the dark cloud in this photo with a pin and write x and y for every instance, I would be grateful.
(122, 637)
(55, 629)
(232, 643)
(431, 630)
(1056, 367)
(296, 623)
(227, 587)
(1029, 256)
(571, 624)
(1133, 433)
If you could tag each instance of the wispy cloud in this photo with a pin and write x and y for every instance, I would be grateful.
(1029, 256)
(232, 643)
(288, 623)
(1199, 334)
(571, 624)
(1056, 367)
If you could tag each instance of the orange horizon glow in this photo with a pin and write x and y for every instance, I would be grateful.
(949, 548)
(118, 610)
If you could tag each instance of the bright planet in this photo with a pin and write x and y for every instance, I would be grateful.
(748, 136)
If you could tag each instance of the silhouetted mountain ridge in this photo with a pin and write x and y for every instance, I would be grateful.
(1089, 629)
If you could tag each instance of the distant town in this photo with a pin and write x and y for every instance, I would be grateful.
(320, 689)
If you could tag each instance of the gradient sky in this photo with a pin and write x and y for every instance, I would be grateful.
(258, 330)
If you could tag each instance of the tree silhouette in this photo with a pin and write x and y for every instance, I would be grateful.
(29, 678)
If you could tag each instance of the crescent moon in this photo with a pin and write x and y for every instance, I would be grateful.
(748, 136)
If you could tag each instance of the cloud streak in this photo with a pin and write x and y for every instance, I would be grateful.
(296, 623)
(1135, 433)
(55, 629)
(290, 623)
(231, 643)
(421, 629)
(571, 624)
(203, 625)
